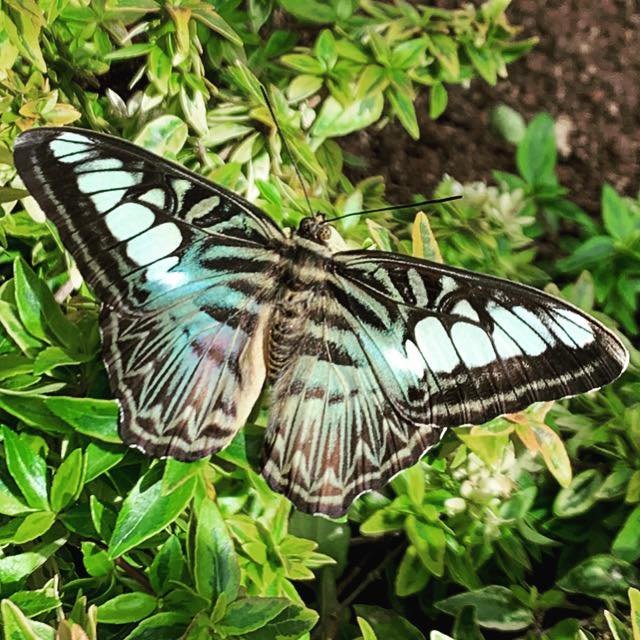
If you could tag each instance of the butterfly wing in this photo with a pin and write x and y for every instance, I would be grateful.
(185, 271)
(400, 350)
(332, 431)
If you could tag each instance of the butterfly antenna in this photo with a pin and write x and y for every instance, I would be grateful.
(286, 146)
(395, 207)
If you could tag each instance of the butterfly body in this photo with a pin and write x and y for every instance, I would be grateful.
(370, 356)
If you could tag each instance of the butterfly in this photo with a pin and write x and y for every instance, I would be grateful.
(370, 356)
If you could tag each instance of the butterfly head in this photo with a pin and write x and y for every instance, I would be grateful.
(315, 228)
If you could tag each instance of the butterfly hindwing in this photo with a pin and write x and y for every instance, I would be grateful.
(333, 433)
(185, 272)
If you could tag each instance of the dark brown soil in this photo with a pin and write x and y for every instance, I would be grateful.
(585, 70)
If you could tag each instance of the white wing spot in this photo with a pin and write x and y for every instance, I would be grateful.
(128, 220)
(463, 308)
(202, 208)
(159, 272)
(417, 286)
(102, 164)
(69, 144)
(106, 200)
(92, 182)
(180, 188)
(411, 361)
(473, 344)
(155, 197)
(436, 346)
(449, 285)
(578, 330)
(527, 339)
(154, 244)
(505, 346)
(535, 323)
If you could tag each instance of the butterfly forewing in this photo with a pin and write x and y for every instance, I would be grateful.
(479, 346)
(185, 273)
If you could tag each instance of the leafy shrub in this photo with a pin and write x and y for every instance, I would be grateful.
(99, 541)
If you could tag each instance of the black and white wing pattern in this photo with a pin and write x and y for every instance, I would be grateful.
(186, 274)
(398, 350)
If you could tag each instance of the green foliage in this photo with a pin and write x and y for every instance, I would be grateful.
(526, 525)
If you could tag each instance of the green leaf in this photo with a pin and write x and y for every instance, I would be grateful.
(9, 194)
(601, 576)
(483, 60)
(634, 601)
(146, 511)
(579, 496)
(216, 568)
(132, 51)
(424, 243)
(325, 49)
(438, 99)
(388, 624)
(32, 526)
(12, 324)
(38, 310)
(13, 569)
(17, 626)
(167, 565)
(159, 69)
(429, 542)
(303, 63)
(303, 86)
(32, 411)
(290, 624)
(96, 560)
(619, 630)
(616, 215)
(164, 136)
(412, 575)
(100, 458)
(27, 468)
(95, 418)
(402, 105)
(161, 626)
(445, 49)
(310, 10)
(68, 480)
(10, 504)
(208, 16)
(589, 254)
(248, 614)
(408, 54)
(335, 119)
(29, 24)
(627, 543)
(466, 626)
(51, 357)
(126, 608)
(367, 630)
(536, 153)
(37, 601)
(496, 608)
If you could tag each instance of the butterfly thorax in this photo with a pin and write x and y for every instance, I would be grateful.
(302, 286)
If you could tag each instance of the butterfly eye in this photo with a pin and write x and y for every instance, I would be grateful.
(324, 233)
